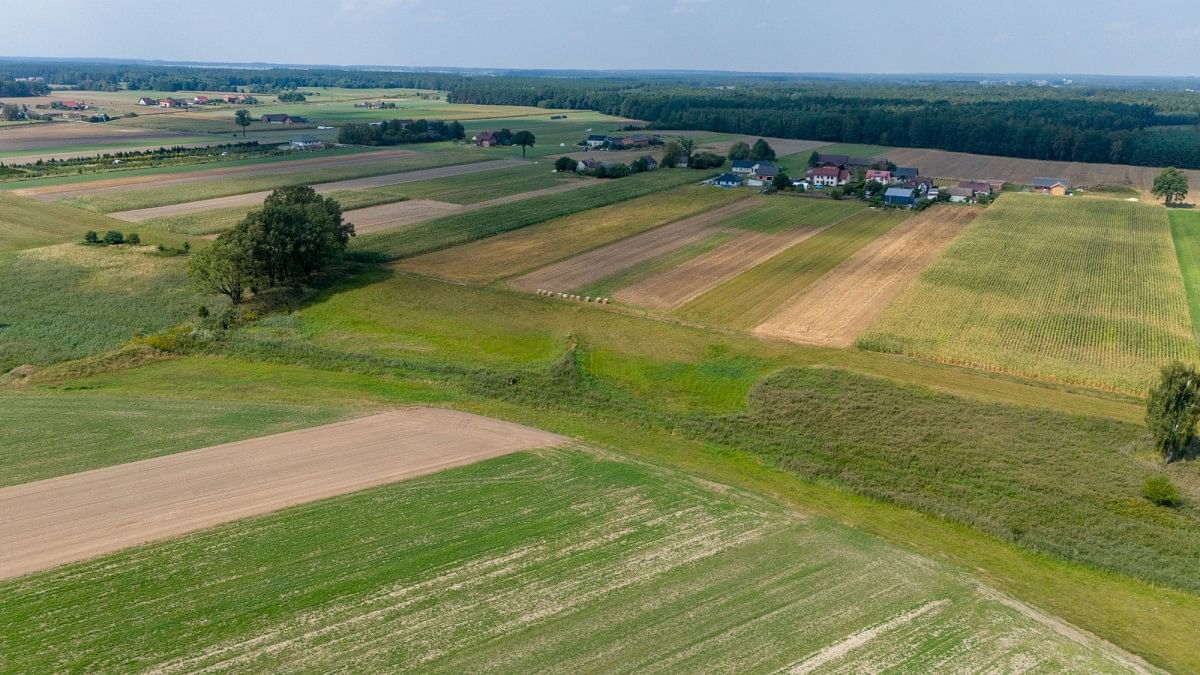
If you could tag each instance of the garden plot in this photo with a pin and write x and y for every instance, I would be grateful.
(842, 304)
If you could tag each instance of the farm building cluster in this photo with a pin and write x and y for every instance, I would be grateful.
(602, 169)
(605, 142)
(199, 99)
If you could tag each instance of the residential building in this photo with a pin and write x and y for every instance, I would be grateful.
(1053, 186)
(898, 196)
(961, 194)
(170, 103)
(903, 174)
(744, 166)
(763, 174)
(274, 118)
(728, 180)
(832, 160)
(827, 176)
(146, 100)
(854, 163)
(200, 100)
(976, 186)
(295, 120)
(485, 139)
(879, 175)
(651, 163)
(306, 143)
(596, 140)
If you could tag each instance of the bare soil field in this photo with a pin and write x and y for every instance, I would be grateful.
(942, 164)
(676, 286)
(782, 146)
(398, 214)
(842, 304)
(56, 192)
(57, 134)
(622, 255)
(251, 199)
(61, 520)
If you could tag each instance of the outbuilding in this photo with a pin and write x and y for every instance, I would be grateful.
(1053, 186)
(898, 196)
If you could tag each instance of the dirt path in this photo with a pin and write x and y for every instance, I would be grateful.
(679, 285)
(251, 199)
(627, 253)
(123, 183)
(842, 304)
(61, 520)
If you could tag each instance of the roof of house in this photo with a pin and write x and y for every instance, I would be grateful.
(976, 185)
(275, 116)
(905, 172)
(597, 137)
(831, 171)
(486, 135)
(878, 173)
(744, 164)
(906, 193)
(1051, 182)
(727, 178)
(960, 192)
(860, 161)
(767, 169)
(837, 160)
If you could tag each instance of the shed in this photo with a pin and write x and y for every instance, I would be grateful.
(898, 196)
(1053, 186)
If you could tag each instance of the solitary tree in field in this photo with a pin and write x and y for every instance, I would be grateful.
(1172, 409)
(739, 150)
(242, 117)
(762, 150)
(1171, 184)
(227, 267)
(525, 139)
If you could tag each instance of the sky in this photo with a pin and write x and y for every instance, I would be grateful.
(1111, 37)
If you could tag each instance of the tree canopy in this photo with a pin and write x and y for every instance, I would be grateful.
(762, 150)
(1172, 410)
(739, 150)
(525, 139)
(1171, 185)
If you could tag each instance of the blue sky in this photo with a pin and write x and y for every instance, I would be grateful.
(1154, 37)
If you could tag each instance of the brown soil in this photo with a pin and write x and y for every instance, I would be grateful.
(61, 520)
(251, 199)
(674, 287)
(842, 304)
(390, 216)
(627, 253)
(58, 134)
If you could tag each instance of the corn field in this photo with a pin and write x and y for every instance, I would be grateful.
(1081, 291)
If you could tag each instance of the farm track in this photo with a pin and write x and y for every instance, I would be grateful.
(677, 286)
(397, 214)
(846, 300)
(120, 184)
(70, 518)
(627, 253)
(251, 199)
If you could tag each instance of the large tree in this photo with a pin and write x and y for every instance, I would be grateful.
(226, 267)
(739, 150)
(525, 139)
(1172, 409)
(295, 234)
(762, 150)
(242, 117)
(1171, 185)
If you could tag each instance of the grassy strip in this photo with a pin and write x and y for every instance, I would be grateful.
(25, 223)
(750, 297)
(607, 286)
(1185, 232)
(461, 228)
(780, 214)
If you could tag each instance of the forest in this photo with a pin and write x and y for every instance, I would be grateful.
(397, 132)
(15, 89)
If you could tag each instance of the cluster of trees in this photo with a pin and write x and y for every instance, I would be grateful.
(398, 132)
(292, 97)
(111, 238)
(605, 170)
(524, 138)
(293, 237)
(11, 112)
(761, 150)
(24, 88)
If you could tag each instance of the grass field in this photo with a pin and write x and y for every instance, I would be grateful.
(77, 300)
(1044, 287)
(25, 223)
(527, 249)
(780, 214)
(462, 228)
(749, 298)
(1185, 231)
(525, 562)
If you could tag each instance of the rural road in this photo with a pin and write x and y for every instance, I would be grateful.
(256, 198)
(70, 518)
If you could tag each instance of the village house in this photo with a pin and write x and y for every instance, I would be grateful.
(961, 194)
(596, 140)
(290, 119)
(73, 105)
(146, 100)
(903, 174)
(651, 163)
(832, 160)
(1052, 186)
(200, 100)
(234, 98)
(306, 143)
(855, 163)
(763, 174)
(898, 196)
(879, 175)
(274, 118)
(744, 166)
(977, 187)
(170, 103)
(485, 139)
(827, 176)
(727, 180)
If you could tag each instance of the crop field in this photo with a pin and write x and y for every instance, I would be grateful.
(463, 228)
(527, 562)
(1185, 230)
(843, 303)
(626, 254)
(779, 214)
(746, 300)
(942, 164)
(606, 286)
(77, 300)
(25, 223)
(1043, 287)
(555, 239)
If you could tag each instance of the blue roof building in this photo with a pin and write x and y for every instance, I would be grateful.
(898, 196)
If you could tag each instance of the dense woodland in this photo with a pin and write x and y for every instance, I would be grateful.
(12, 88)
(398, 132)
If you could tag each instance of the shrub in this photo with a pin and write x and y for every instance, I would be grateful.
(1172, 410)
(202, 311)
(1159, 490)
(114, 237)
(90, 237)
(134, 239)
(564, 164)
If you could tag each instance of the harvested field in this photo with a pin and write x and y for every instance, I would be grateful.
(781, 146)
(942, 164)
(680, 285)
(59, 134)
(842, 304)
(535, 246)
(399, 214)
(252, 199)
(61, 520)
(627, 253)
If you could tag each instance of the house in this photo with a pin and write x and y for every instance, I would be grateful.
(961, 194)
(146, 100)
(306, 143)
(1053, 186)
(832, 160)
(903, 174)
(274, 118)
(879, 175)
(596, 140)
(933, 193)
(997, 185)
(763, 174)
(170, 103)
(651, 163)
(727, 180)
(827, 176)
(978, 187)
(898, 196)
(638, 141)
(73, 105)
(289, 119)
(200, 100)
(853, 163)
(485, 139)
(234, 98)
(746, 166)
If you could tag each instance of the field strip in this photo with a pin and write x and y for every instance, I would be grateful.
(70, 518)
(252, 199)
(846, 300)
(693, 278)
(856, 640)
(621, 255)
(397, 214)
(47, 136)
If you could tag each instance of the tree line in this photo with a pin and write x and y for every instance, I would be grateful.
(14, 89)
(397, 132)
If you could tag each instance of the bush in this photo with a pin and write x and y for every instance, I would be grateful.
(564, 164)
(134, 239)
(90, 237)
(1159, 490)
(113, 237)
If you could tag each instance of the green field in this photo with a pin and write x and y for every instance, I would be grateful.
(1185, 231)
(25, 223)
(749, 298)
(780, 214)
(528, 562)
(1079, 291)
(607, 286)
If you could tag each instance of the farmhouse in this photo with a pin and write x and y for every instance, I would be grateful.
(904, 174)
(146, 100)
(306, 143)
(274, 118)
(650, 163)
(961, 194)
(1053, 186)
(200, 100)
(898, 196)
(596, 140)
(289, 119)
(170, 103)
(73, 105)
(879, 175)
(832, 160)
(727, 180)
(853, 163)
(485, 139)
(234, 98)
(763, 174)
(744, 166)
(828, 176)
(977, 187)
